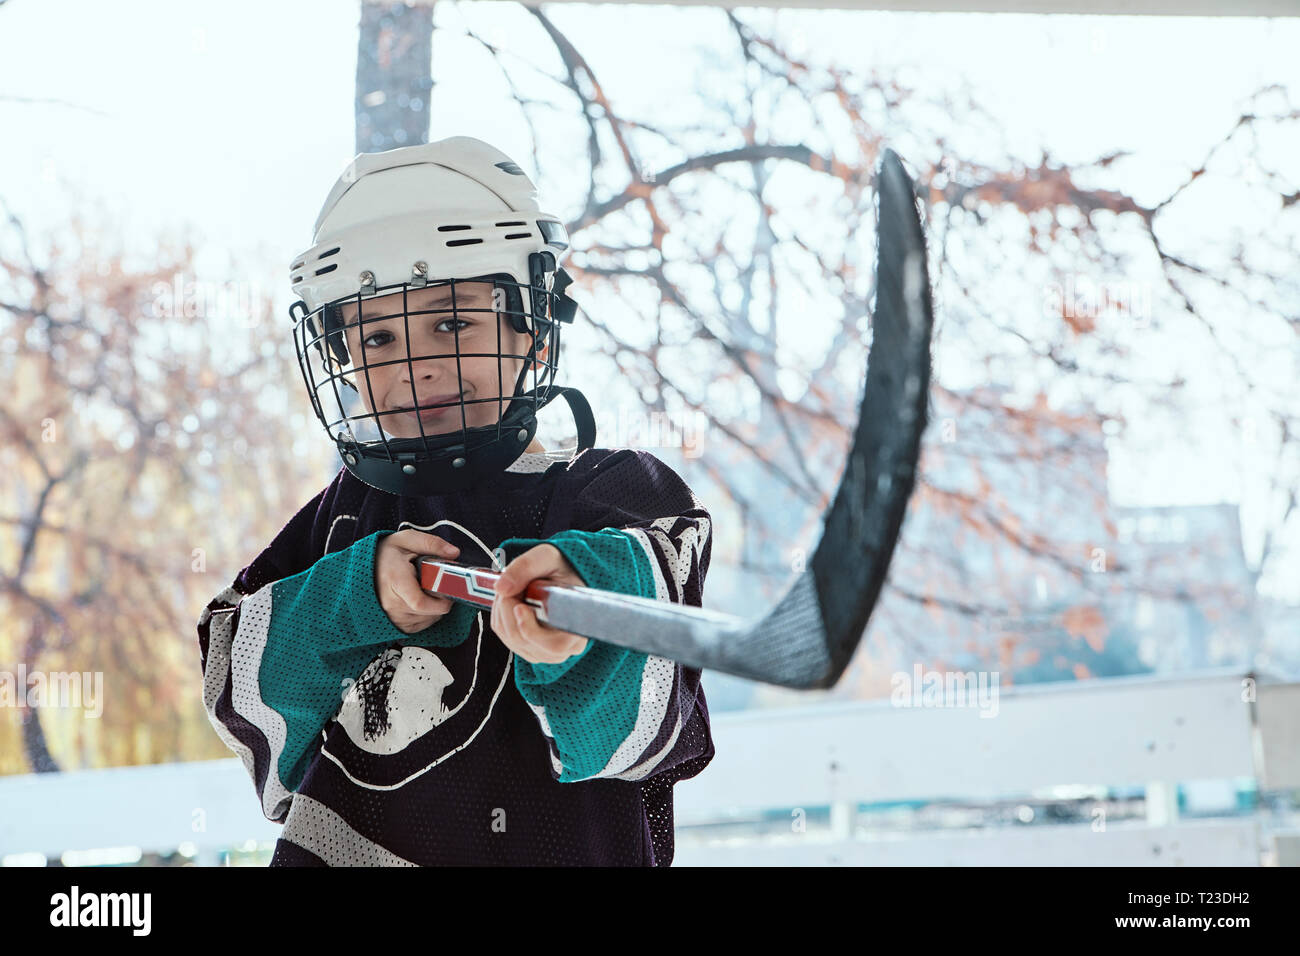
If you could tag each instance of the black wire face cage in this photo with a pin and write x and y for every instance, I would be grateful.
(402, 429)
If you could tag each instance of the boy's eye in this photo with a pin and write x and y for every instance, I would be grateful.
(385, 337)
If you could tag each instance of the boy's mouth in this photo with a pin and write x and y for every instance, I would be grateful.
(429, 414)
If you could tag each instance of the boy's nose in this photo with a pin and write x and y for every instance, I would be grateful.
(433, 362)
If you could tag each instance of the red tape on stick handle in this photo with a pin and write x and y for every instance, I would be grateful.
(476, 586)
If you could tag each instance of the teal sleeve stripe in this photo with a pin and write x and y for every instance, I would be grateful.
(326, 626)
(591, 700)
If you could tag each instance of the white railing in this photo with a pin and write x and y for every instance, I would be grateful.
(1153, 733)
(1124, 732)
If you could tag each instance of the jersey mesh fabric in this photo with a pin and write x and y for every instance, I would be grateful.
(375, 747)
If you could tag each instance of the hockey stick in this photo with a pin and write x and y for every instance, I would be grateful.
(808, 637)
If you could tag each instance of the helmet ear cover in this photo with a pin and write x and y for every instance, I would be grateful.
(332, 319)
(564, 306)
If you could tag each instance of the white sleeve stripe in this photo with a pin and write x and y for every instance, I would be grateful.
(661, 587)
(657, 676)
(238, 656)
(215, 672)
(246, 694)
(681, 554)
(541, 718)
(550, 738)
(643, 770)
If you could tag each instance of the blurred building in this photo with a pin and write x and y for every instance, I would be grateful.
(1279, 650)
(1190, 596)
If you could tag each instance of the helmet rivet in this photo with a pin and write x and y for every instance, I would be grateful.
(421, 268)
(408, 469)
(367, 279)
(523, 434)
(350, 458)
(458, 463)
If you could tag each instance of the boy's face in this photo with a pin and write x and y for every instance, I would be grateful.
(435, 380)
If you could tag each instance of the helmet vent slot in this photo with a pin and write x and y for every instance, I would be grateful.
(463, 242)
(519, 235)
(512, 224)
(451, 228)
(328, 268)
(328, 252)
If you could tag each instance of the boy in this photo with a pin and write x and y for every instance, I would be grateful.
(385, 726)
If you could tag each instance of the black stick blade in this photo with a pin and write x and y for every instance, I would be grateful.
(864, 520)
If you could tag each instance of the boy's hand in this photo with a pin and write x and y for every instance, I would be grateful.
(397, 579)
(516, 623)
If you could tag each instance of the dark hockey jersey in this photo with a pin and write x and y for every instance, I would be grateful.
(375, 747)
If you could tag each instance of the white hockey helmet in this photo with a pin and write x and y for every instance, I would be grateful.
(437, 214)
